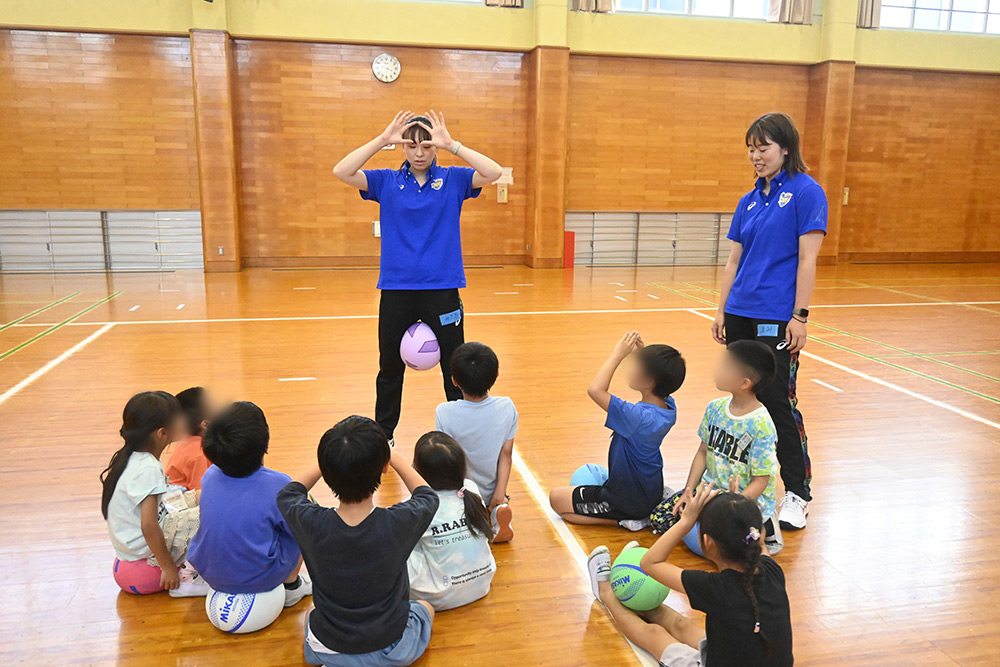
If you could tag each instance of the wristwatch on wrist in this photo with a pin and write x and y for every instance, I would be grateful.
(455, 146)
(801, 312)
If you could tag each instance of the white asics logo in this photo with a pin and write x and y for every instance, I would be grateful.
(752, 204)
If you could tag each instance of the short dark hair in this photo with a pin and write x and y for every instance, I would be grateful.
(757, 358)
(665, 366)
(779, 128)
(237, 439)
(352, 456)
(474, 367)
(193, 403)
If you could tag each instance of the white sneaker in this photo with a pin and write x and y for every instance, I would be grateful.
(501, 518)
(635, 525)
(631, 545)
(774, 542)
(599, 567)
(794, 511)
(294, 595)
(192, 584)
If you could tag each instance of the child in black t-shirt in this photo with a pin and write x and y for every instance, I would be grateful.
(747, 621)
(357, 552)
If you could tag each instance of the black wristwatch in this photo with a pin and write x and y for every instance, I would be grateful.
(801, 312)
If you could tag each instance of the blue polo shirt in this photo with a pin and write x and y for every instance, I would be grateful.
(421, 231)
(769, 226)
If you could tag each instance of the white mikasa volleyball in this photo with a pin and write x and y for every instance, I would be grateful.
(239, 613)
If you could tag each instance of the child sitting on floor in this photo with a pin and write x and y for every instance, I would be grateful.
(747, 619)
(452, 565)
(738, 437)
(357, 552)
(635, 465)
(244, 544)
(187, 462)
(150, 523)
(484, 426)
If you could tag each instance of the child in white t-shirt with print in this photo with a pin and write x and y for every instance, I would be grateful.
(150, 522)
(452, 565)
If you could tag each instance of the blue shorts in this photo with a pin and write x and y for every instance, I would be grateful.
(405, 651)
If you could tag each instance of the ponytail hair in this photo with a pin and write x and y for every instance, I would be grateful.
(144, 414)
(734, 522)
(440, 460)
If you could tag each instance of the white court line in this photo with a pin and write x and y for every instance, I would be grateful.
(888, 385)
(620, 298)
(295, 379)
(55, 362)
(827, 385)
(309, 318)
(133, 309)
(562, 530)
(170, 290)
(179, 306)
(653, 296)
(619, 284)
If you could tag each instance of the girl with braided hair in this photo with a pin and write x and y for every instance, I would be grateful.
(747, 622)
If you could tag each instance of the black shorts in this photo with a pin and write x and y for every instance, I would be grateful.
(593, 501)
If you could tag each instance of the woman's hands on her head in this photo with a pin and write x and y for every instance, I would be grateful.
(440, 137)
(393, 134)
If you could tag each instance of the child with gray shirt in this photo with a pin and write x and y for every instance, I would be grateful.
(484, 426)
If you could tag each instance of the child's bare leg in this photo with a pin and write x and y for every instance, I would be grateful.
(561, 500)
(650, 636)
(295, 572)
(684, 629)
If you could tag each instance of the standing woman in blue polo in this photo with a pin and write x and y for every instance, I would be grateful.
(776, 232)
(421, 269)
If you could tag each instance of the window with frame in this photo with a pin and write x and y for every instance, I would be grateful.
(982, 16)
(739, 9)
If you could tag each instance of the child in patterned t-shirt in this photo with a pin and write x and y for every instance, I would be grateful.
(738, 438)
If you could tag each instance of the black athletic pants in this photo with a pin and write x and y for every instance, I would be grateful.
(780, 400)
(397, 310)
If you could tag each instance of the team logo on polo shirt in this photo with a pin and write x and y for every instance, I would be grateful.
(784, 199)
(437, 183)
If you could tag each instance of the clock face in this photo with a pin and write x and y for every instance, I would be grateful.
(385, 68)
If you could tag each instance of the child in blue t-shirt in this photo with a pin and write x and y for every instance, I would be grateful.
(244, 544)
(635, 465)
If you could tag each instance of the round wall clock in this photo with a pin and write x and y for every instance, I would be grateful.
(386, 68)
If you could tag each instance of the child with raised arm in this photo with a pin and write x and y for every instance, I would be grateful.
(747, 619)
(357, 552)
(485, 427)
(635, 465)
(738, 437)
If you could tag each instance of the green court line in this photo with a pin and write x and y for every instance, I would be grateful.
(40, 310)
(940, 354)
(679, 293)
(908, 370)
(935, 299)
(57, 326)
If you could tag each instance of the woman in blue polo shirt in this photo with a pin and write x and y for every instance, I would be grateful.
(420, 270)
(776, 232)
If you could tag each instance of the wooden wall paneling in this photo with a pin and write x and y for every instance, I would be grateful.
(827, 127)
(303, 106)
(96, 121)
(923, 165)
(667, 135)
(547, 124)
(217, 149)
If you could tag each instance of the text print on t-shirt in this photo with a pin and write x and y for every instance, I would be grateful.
(729, 446)
(451, 532)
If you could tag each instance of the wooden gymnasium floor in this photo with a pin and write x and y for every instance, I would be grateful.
(900, 389)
